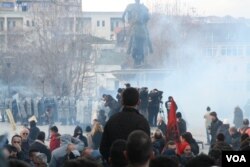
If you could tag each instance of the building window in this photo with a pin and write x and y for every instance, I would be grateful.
(103, 23)
(98, 23)
(33, 23)
(28, 23)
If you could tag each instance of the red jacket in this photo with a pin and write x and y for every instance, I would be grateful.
(54, 142)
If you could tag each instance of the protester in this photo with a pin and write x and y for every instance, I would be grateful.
(245, 143)
(187, 155)
(162, 125)
(215, 124)
(57, 159)
(78, 133)
(158, 142)
(117, 157)
(217, 148)
(224, 129)
(235, 138)
(16, 141)
(238, 117)
(188, 137)
(182, 127)
(139, 149)
(34, 130)
(96, 135)
(54, 139)
(41, 146)
(120, 125)
(25, 145)
(245, 129)
(208, 124)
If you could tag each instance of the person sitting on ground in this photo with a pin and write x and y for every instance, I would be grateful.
(163, 162)
(158, 142)
(245, 128)
(139, 149)
(182, 127)
(235, 138)
(245, 143)
(216, 149)
(187, 155)
(120, 125)
(54, 139)
(41, 146)
(78, 133)
(117, 158)
(192, 142)
(201, 160)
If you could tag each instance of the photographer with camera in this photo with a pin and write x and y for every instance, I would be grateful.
(155, 97)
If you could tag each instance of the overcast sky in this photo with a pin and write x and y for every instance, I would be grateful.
(236, 8)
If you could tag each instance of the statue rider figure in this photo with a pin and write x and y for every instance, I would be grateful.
(137, 16)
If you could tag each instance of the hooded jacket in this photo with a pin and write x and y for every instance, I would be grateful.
(81, 137)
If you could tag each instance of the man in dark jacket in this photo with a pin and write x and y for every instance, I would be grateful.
(34, 130)
(40, 146)
(78, 133)
(181, 123)
(123, 123)
(216, 150)
(215, 124)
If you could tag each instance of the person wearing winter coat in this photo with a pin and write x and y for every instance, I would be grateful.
(54, 139)
(215, 124)
(186, 156)
(216, 149)
(78, 133)
(238, 117)
(40, 146)
(224, 129)
(235, 138)
(187, 137)
(96, 135)
(68, 143)
(34, 131)
(181, 123)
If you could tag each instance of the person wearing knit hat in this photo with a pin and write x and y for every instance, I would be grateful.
(215, 125)
(245, 128)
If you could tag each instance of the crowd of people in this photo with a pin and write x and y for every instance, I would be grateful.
(127, 138)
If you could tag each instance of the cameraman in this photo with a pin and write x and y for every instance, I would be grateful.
(155, 97)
